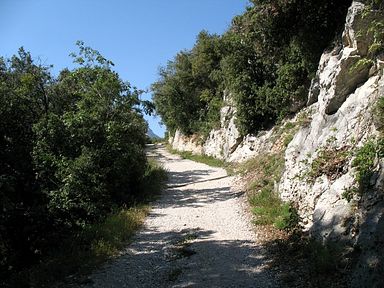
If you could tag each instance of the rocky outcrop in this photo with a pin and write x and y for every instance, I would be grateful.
(226, 142)
(221, 143)
(320, 200)
(181, 142)
(342, 71)
(341, 120)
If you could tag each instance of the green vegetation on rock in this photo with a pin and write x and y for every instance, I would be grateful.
(365, 160)
(367, 157)
(265, 61)
(265, 172)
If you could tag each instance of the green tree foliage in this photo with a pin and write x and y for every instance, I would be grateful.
(176, 89)
(71, 149)
(188, 93)
(277, 45)
(23, 97)
(265, 60)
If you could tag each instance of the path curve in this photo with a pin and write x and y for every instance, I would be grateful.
(197, 235)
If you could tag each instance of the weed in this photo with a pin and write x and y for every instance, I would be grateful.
(376, 28)
(290, 125)
(286, 128)
(379, 114)
(284, 133)
(349, 193)
(364, 162)
(304, 118)
(329, 161)
(287, 140)
(288, 219)
(271, 210)
(361, 65)
(266, 204)
(268, 166)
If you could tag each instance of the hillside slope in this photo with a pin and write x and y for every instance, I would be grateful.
(333, 147)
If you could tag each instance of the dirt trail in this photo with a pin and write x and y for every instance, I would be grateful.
(197, 235)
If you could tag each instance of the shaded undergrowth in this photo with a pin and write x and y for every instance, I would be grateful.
(80, 253)
(301, 261)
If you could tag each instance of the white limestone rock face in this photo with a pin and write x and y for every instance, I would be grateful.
(341, 71)
(349, 127)
(181, 142)
(341, 102)
(227, 144)
(223, 141)
(342, 99)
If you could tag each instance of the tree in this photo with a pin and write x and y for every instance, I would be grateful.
(23, 99)
(71, 149)
(89, 150)
(188, 94)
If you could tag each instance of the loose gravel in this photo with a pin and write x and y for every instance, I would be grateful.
(197, 235)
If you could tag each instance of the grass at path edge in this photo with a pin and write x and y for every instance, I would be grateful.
(208, 160)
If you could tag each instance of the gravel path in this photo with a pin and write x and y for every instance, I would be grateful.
(197, 235)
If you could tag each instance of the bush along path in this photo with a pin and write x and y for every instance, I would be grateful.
(197, 235)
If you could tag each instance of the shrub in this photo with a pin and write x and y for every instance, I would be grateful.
(71, 151)
(379, 114)
(364, 162)
(89, 155)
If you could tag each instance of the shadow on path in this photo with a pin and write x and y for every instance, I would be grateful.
(205, 242)
(188, 197)
(154, 260)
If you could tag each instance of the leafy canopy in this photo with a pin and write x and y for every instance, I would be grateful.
(265, 61)
(71, 149)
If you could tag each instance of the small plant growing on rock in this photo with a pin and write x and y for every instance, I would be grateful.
(349, 193)
(288, 138)
(361, 65)
(377, 30)
(329, 161)
(378, 113)
(304, 118)
(365, 161)
(283, 134)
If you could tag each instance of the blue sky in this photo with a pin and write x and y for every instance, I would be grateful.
(139, 36)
